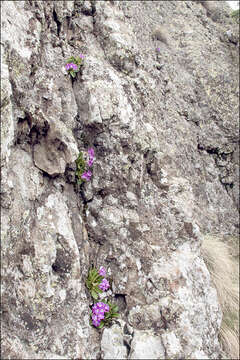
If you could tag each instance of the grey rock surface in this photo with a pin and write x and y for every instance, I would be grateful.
(160, 108)
(112, 342)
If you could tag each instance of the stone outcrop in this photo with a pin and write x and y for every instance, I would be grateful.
(157, 99)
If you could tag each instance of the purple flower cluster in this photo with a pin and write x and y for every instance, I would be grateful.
(87, 174)
(72, 66)
(102, 271)
(81, 56)
(98, 311)
(104, 285)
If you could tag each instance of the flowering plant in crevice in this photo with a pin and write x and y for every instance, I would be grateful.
(95, 282)
(84, 162)
(73, 64)
(103, 312)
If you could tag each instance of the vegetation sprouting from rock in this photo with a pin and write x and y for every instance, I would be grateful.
(102, 313)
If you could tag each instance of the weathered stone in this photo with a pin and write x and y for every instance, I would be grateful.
(112, 343)
(56, 150)
(160, 33)
(7, 126)
(146, 346)
(172, 345)
(166, 171)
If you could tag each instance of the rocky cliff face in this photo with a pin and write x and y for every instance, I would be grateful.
(157, 99)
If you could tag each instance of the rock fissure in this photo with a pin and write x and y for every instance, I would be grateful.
(55, 18)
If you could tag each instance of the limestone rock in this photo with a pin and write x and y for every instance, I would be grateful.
(7, 126)
(112, 343)
(166, 172)
(56, 150)
(146, 346)
(160, 33)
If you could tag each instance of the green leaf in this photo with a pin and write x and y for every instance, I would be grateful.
(73, 74)
(94, 273)
(96, 288)
(90, 275)
(94, 294)
(101, 325)
(115, 315)
(235, 13)
(71, 59)
(78, 61)
(96, 276)
(81, 165)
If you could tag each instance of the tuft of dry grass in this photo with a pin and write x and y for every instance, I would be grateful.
(224, 271)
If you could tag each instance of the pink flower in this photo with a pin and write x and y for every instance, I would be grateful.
(98, 311)
(95, 319)
(102, 271)
(70, 66)
(104, 285)
(106, 308)
(74, 67)
(91, 152)
(101, 316)
(90, 162)
(86, 175)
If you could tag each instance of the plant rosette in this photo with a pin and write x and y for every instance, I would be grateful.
(102, 312)
(73, 65)
(96, 282)
(94, 279)
(83, 164)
